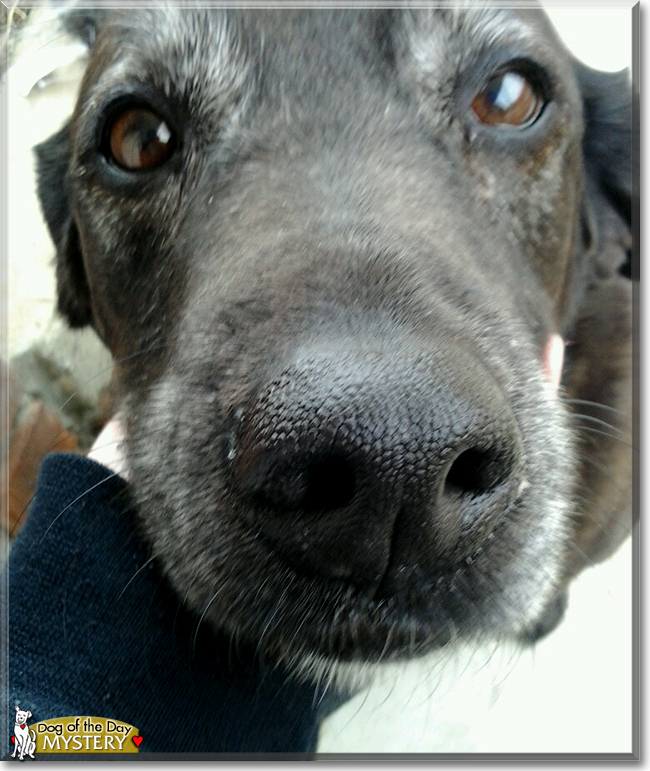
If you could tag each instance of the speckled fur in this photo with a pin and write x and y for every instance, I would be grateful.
(331, 184)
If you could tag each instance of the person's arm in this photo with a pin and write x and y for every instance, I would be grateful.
(94, 629)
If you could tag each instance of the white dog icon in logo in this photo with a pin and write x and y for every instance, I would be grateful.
(23, 738)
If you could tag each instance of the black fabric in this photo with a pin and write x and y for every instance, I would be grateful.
(95, 630)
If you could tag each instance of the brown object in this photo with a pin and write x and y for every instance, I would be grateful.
(39, 433)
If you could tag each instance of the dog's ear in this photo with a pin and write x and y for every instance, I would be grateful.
(597, 377)
(53, 158)
(607, 145)
(52, 161)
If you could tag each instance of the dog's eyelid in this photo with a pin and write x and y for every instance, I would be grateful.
(134, 94)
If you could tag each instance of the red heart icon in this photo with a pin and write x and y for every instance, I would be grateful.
(137, 740)
(13, 739)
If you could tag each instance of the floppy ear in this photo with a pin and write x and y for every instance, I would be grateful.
(607, 99)
(52, 160)
(597, 378)
(607, 144)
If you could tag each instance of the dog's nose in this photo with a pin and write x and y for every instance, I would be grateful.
(352, 461)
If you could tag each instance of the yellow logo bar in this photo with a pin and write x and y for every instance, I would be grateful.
(85, 734)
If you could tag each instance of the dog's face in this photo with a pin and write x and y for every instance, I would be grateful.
(332, 252)
(22, 716)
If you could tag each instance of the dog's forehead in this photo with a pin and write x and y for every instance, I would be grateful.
(455, 36)
(212, 51)
(173, 51)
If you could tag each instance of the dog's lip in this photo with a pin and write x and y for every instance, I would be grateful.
(552, 361)
(387, 640)
(370, 630)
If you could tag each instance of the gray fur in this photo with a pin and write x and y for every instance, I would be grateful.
(331, 188)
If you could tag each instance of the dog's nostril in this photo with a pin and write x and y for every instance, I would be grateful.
(307, 486)
(476, 471)
(331, 485)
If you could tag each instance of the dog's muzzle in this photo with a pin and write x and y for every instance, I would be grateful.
(373, 465)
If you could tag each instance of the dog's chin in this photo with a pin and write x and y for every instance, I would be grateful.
(352, 647)
(349, 654)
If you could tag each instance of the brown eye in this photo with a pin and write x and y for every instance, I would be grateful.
(509, 99)
(139, 140)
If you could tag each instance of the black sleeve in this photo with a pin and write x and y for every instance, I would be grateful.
(94, 629)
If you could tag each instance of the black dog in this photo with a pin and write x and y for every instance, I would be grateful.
(333, 254)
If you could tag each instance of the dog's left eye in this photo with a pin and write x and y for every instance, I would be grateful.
(509, 99)
(137, 139)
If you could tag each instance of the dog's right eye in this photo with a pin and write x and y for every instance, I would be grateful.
(137, 139)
